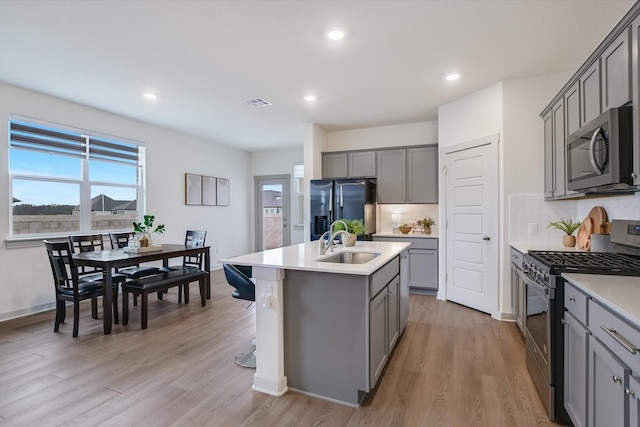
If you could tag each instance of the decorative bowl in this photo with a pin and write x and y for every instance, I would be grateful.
(405, 229)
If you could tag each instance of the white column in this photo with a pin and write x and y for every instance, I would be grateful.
(269, 377)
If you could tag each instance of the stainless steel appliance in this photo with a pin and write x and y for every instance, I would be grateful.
(331, 200)
(544, 288)
(600, 154)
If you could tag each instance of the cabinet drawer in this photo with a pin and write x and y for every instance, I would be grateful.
(614, 332)
(576, 302)
(517, 258)
(380, 278)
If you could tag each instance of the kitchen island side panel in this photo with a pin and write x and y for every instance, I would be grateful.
(326, 330)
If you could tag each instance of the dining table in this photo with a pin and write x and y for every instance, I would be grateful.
(110, 259)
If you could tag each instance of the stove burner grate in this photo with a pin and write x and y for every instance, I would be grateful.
(601, 262)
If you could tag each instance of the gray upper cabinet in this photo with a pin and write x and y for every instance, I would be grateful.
(334, 165)
(392, 176)
(560, 150)
(616, 72)
(548, 156)
(361, 163)
(572, 109)
(422, 183)
(590, 90)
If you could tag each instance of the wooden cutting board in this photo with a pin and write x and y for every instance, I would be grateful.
(599, 217)
(583, 239)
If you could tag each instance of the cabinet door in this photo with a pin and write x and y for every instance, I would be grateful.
(423, 269)
(362, 164)
(334, 165)
(576, 338)
(559, 150)
(616, 72)
(422, 180)
(590, 93)
(607, 378)
(633, 392)
(377, 336)
(393, 305)
(548, 156)
(521, 301)
(572, 109)
(392, 176)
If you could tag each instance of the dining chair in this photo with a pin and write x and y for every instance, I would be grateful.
(69, 286)
(192, 239)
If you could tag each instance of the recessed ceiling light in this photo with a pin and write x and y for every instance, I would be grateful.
(452, 77)
(310, 98)
(335, 35)
(150, 95)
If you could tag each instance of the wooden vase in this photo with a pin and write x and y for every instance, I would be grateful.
(569, 241)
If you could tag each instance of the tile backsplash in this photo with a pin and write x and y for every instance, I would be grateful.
(529, 214)
(407, 214)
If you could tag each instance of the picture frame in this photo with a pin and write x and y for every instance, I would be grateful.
(222, 188)
(209, 191)
(192, 189)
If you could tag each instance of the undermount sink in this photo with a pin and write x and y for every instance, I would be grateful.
(350, 257)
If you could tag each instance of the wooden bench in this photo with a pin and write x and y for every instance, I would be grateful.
(160, 283)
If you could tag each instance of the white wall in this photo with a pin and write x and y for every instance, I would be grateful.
(276, 162)
(383, 136)
(26, 284)
(315, 142)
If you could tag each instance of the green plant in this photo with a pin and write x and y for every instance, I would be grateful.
(428, 222)
(147, 226)
(565, 225)
(354, 226)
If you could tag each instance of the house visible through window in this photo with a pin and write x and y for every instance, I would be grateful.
(66, 180)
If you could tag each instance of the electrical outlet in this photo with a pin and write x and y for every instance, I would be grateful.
(533, 230)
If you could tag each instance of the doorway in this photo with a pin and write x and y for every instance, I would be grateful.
(272, 211)
(472, 216)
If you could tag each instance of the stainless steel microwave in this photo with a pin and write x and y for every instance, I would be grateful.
(600, 154)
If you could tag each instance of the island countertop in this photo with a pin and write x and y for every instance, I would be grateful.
(304, 256)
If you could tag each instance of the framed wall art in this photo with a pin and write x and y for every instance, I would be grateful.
(209, 191)
(192, 189)
(222, 188)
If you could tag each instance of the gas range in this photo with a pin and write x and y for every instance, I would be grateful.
(544, 289)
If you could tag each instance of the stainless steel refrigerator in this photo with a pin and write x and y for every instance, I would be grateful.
(331, 200)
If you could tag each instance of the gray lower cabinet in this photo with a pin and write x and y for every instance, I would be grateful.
(634, 401)
(422, 264)
(576, 338)
(608, 378)
(340, 330)
(517, 288)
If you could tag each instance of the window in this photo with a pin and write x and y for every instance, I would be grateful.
(66, 180)
(298, 200)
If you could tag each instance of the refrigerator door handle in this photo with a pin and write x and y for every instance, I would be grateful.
(330, 200)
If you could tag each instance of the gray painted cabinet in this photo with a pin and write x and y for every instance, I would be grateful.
(422, 262)
(422, 180)
(548, 156)
(361, 163)
(555, 153)
(392, 176)
(517, 288)
(607, 381)
(634, 401)
(334, 165)
(378, 310)
(590, 100)
(576, 338)
(616, 72)
(572, 109)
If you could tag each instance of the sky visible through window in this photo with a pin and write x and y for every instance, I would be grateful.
(44, 165)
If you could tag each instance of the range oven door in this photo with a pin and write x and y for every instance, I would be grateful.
(538, 323)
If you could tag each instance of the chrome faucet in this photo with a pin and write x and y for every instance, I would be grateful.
(322, 249)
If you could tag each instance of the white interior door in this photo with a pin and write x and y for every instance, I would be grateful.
(472, 225)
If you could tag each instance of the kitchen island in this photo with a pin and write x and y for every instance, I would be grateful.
(326, 328)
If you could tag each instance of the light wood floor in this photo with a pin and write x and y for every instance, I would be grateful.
(452, 367)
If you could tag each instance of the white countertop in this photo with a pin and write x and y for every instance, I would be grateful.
(408, 235)
(619, 293)
(305, 255)
(525, 247)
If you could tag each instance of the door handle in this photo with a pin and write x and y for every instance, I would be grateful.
(592, 152)
(485, 237)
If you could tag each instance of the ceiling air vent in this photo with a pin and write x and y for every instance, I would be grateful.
(258, 102)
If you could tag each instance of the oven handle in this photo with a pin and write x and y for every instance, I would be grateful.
(548, 292)
(628, 345)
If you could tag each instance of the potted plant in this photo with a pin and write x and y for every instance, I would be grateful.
(568, 227)
(427, 223)
(146, 228)
(355, 227)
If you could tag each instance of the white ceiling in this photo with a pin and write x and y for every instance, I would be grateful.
(205, 58)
